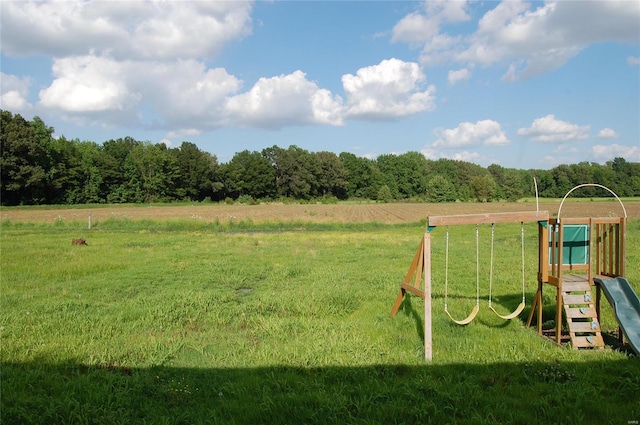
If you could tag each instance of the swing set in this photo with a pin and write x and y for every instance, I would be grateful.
(422, 262)
(573, 255)
(476, 309)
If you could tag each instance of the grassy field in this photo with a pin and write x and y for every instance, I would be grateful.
(190, 321)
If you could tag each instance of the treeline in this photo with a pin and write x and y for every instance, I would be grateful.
(40, 169)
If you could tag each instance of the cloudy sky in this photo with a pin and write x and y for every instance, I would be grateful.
(520, 84)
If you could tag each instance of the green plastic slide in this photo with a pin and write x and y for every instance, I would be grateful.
(626, 307)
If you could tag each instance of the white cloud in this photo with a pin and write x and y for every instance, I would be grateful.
(391, 89)
(551, 130)
(467, 156)
(608, 133)
(89, 84)
(528, 40)
(419, 27)
(116, 62)
(605, 153)
(14, 93)
(415, 28)
(430, 153)
(632, 60)
(145, 63)
(449, 11)
(187, 94)
(485, 132)
(124, 30)
(285, 100)
(458, 75)
(182, 133)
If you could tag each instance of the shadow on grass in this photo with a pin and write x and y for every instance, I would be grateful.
(408, 310)
(595, 391)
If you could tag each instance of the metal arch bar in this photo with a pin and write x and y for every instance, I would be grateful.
(592, 185)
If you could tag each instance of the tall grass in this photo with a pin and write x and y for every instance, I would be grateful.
(184, 322)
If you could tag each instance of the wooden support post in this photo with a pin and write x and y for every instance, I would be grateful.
(559, 306)
(543, 267)
(428, 354)
(589, 262)
(598, 299)
(622, 247)
(559, 314)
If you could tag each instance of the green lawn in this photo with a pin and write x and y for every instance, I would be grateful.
(188, 323)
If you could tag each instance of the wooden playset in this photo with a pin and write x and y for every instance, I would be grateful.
(573, 255)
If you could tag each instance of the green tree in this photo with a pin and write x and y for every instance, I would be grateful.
(563, 178)
(332, 175)
(24, 162)
(440, 189)
(90, 188)
(251, 174)
(408, 172)
(624, 174)
(115, 168)
(150, 171)
(546, 184)
(582, 173)
(483, 188)
(197, 172)
(384, 194)
(388, 164)
(295, 171)
(460, 173)
(365, 178)
(497, 172)
(511, 185)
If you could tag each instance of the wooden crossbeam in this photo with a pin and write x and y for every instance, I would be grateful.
(489, 218)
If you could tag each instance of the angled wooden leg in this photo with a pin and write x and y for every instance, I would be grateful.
(533, 309)
(416, 266)
(537, 305)
(396, 305)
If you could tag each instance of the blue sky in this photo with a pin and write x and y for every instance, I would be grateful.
(520, 84)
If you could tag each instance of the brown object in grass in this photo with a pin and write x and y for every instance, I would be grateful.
(80, 241)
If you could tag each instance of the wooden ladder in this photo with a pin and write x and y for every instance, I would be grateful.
(580, 311)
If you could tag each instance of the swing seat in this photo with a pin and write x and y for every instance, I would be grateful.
(468, 319)
(513, 315)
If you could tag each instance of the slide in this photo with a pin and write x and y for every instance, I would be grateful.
(626, 307)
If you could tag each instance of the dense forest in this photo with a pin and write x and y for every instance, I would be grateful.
(38, 168)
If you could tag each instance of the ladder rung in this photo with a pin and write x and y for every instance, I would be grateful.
(577, 299)
(580, 327)
(580, 313)
(576, 286)
(583, 342)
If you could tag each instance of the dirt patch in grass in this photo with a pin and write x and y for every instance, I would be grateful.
(320, 213)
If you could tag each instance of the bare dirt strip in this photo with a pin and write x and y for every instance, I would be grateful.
(320, 213)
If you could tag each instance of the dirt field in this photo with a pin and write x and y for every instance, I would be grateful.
(341, 213)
